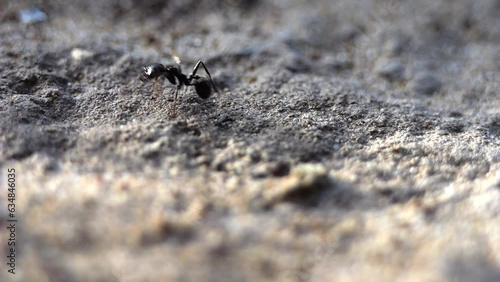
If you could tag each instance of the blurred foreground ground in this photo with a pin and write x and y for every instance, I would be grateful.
(351, 141)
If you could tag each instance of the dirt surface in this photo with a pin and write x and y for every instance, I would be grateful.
(349, 141)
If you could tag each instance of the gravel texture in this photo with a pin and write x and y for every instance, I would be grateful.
(349, 141)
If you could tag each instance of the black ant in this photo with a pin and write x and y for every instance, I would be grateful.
(202, 85)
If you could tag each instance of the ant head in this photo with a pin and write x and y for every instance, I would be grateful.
(152, 71)
(203, 87)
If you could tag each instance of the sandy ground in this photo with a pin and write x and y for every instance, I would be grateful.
(350, 141)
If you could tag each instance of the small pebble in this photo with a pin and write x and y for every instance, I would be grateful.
(394, 46)
(80, 54)
(297, 63)
(337, 63)
(425, 83)
(32, 15)
(305, 178)
(390, 69)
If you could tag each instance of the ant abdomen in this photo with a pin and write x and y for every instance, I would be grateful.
(203, 88)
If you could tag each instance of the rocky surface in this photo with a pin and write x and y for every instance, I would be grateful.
(354, 141)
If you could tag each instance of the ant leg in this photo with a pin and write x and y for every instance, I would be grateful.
(174, 105)
(195, 69)
(156, 88)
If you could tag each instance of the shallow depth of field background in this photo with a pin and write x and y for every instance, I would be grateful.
(350, 141)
